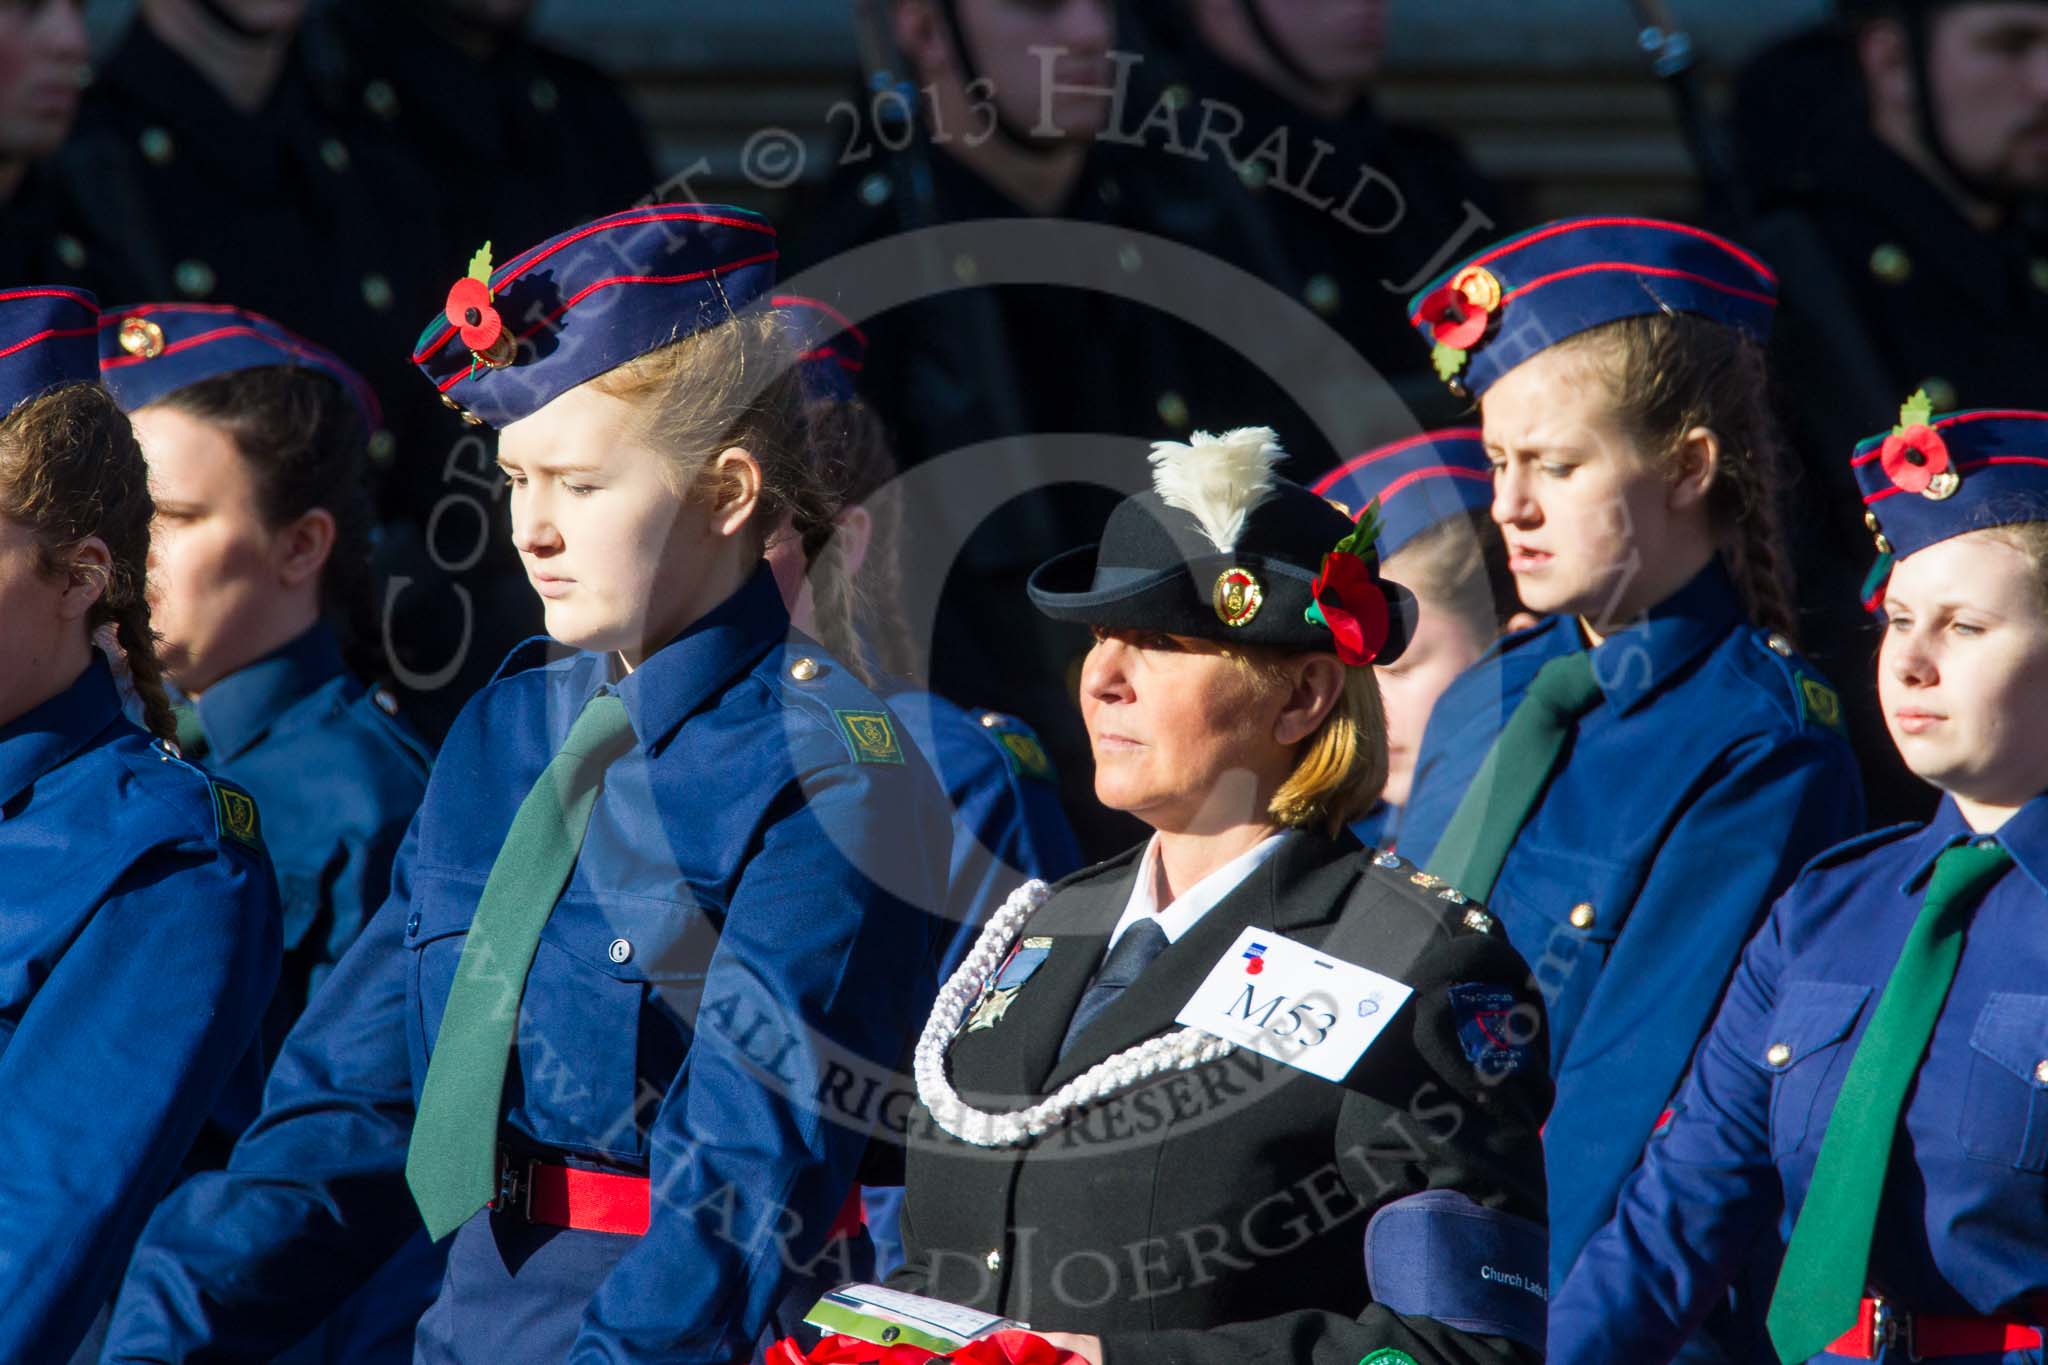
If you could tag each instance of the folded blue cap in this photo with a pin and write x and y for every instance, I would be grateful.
(47, 339)
(148, 351)
(587, 301)
(1420, 482)
(1516, 298)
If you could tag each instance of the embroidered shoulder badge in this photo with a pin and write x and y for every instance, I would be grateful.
(872, 736)
(234, 814)
(1027, 756)
(1821, 702)
(1487, 1028)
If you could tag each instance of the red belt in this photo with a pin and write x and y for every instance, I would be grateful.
(600, 1201)
(1928, 1336)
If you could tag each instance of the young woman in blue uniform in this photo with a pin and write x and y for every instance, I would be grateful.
(841, 584)
(255, 439)
(1618, 369)
(138, 920)
(1875, 1087)
(259, 560)
(1432, 492)
(663, 915)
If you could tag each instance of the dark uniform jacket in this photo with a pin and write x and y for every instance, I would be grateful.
(1221, 1214)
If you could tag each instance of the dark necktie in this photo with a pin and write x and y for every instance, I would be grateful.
(1134, 951)
(1497, 804)
(452, 1162)
(1820, 1286)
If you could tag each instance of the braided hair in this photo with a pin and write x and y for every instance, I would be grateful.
(1670, 373)
(70, 470)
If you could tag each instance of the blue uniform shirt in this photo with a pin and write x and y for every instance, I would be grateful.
(337, 778)
(138, 947)
(1688, 799)
(1008, 827)
(1963, 1228)
(740, 954)
(1008, 824)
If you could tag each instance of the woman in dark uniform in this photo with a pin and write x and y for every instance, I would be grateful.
(1339, 1159)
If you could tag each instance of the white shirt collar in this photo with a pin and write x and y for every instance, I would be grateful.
(1180, 916)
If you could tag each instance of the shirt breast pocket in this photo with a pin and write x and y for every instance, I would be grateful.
(588, 1036)
(1563, 910)
(1804, 1055)
(2005, 1103)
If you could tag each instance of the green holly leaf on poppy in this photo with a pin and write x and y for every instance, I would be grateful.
(480, 265)
(1916, 411)
(1448, 361)
(1364, 532)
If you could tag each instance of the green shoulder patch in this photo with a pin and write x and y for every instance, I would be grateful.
(234, 813)
(1821, 702)
(1026, 755)
(872, 736)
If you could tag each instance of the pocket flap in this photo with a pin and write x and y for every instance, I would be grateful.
(1812, 1015)
(1588, 897)
(627, 937)
(2012, 1031)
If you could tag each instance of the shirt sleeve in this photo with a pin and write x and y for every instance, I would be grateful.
(823, 962)
(1706, 1190)
(1776, 802)
(238, 1263)
(111, 1071)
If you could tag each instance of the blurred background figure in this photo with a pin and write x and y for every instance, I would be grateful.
(520, 140)
(1899, 159)
(1325, 198)
(43, 66)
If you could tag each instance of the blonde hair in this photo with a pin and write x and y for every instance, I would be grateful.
(732, 384)
(70, 470)
(1342, 767)
(1671, 372)
(2030, 538)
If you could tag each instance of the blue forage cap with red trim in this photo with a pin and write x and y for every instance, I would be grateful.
(148, 351)
(831, 349)
(47, 340)
(1516, 298)
(585, 302)
(1420, 482)
(1931, 478)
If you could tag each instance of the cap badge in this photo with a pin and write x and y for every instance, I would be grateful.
(141, 337)
(1237, 596)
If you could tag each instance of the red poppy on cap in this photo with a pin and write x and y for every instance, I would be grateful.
(1914, 457)
(1349, 599)
(469, 311)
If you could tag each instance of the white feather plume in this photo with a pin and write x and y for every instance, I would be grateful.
(1217, 480)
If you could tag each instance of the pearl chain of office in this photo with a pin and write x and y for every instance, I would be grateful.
(1181, 1050)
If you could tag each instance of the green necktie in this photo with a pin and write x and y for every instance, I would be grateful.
(1821, 1284)
(452, 1164)
(1497, 804)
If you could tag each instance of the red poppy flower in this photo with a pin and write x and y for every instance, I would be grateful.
(1914, 457)
(469, 311)
(1353, 607)
(1453, 319)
